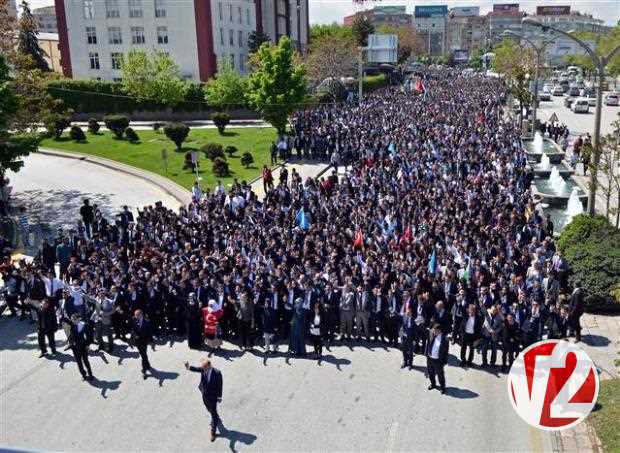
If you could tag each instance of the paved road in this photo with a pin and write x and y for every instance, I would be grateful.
(578, 123)
(52, 189)
(358, 400)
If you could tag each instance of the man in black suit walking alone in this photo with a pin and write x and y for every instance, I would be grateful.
(141, 337)
(437, 357)
(211, 388)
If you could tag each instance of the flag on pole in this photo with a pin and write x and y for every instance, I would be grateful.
(432, 264)
(302, 219)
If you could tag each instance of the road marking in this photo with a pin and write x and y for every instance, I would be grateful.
(391, 438)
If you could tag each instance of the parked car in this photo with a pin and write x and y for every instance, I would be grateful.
(568, 101)
(591, 98)
(544, 96)
(547, 87)
(612, 99)
(557, 90)
(573, 91)
(580, 105)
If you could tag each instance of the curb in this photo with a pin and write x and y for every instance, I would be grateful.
(171, 188)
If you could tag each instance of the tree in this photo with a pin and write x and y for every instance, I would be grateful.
(77, 134)
(409, 42)
(8, 31)
(318, 31)
(247, 159)
(361, 28)
(56, 123)
(212, 151)
(277, 85)
(331, 56)
(117, 124)
(28, 43)
(227, 88)
(475, 58)
(176, 132)
(154, 77)
(608, 177)
(256, 39)
(13, 146)
(93, 126)
(515, 63)
(221, 120)
(220, 167)
(131, 135)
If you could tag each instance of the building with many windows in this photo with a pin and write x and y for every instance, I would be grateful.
(46, 19)
(430, 23)
(466, 29)
(382, 15)
(95, 34)
(12, 8)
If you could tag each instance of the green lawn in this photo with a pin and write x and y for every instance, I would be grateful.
(147, 154)
(606, 419)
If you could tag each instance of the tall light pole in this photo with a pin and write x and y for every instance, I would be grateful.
(600, 61)
(538, 50)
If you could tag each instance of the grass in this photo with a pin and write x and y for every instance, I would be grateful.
(606, 420)
(147, 153)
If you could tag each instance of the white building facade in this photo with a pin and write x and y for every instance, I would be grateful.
(95, 34)
(46, 19)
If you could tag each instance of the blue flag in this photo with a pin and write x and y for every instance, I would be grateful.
(302, 219)
(432, 264)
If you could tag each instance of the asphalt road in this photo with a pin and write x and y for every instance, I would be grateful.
(578, 123)
(357, 400)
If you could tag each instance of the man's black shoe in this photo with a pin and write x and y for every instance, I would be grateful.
(431, 387)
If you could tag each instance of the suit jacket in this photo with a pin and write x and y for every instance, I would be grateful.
(210, 387)
(47, 320)
(443, 347)
(141, 334)
(445, 320)
(477, 325)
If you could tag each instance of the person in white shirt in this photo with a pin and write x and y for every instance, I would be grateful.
(437, 357)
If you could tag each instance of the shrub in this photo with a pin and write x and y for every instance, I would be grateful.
(93, 126)
(187, 163)
(230, 150)
(157, 126)
(131, 135)
(76, 133)
(591, 246)
(220, 167)
(56, 123)
(117, 124)
(177, 132)
(247, 159)
(213, 150)
(221, 120)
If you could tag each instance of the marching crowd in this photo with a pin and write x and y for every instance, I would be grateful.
(432, 235)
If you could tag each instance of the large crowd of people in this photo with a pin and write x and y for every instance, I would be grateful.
(433, 228)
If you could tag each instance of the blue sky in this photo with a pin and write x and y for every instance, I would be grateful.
(328, 11)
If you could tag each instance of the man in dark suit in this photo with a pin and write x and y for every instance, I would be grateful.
(575, 311)
(437, 357)
(47, 327)
(211, 388)
(78, 342)
(141, 337)
(407, 336)
(471, 327)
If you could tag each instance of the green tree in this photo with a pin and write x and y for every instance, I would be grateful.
(28, 43)
(8, 31)
(336, 30)
(255, 40)
(361, 28)
(13, 146)
(278, 84)
(177, 133)
(154, 77)
(475, 58)
(227, 88)
(515, 63)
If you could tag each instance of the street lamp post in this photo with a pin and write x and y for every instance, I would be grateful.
(538, 50)
(600, 61)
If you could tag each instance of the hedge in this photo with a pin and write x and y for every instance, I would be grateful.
(95, 96)
(591, 247)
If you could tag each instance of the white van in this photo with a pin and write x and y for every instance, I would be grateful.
(580, 105)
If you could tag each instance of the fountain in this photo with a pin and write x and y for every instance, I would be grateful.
(557, 183)
(574, 206)
(545, 163)
(538, 143)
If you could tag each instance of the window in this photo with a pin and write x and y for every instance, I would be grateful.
(240, 36)
(241, 62)
(111, 9)
(160, 8)
(162, 35)
(137, 35)
(91, 35)
(89, 9)
(247, 16)
(117, 60)
(117, 79)
(231, 37)
(94, 60)
(232, 60)
(230, 12)
(114, 35)
(135, 8)
(219, 7)
(221, 36)
(240, 15)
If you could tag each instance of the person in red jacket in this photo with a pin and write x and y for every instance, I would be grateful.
(267, 178)
(210, 317)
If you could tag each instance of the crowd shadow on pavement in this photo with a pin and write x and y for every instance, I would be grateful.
(60, 357)
(122, 352)
(595, 340)
(235, 436)
(104, 386)
(162, 376)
